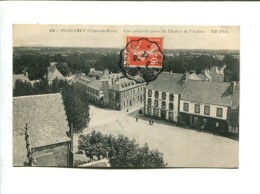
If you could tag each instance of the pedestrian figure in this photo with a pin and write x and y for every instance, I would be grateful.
(149, 122)
(136, 119)
(152, 122)
(126, 110)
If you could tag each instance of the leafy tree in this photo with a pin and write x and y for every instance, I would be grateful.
(122, 151)
(63, 69)
(22, 88)
(232, 66)
(42, 87)
(76, 106)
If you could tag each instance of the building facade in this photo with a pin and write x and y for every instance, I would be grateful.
(196, 103)
(125, 93)
(207, 105)
(162, 96)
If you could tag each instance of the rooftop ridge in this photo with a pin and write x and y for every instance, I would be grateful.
(52, 94)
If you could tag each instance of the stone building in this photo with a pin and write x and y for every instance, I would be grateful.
(125, 93)
(40, 129)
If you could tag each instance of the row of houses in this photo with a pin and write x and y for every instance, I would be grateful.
(197, 103)
(110, 89)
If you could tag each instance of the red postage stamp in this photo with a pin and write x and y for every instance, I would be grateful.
(144, 52)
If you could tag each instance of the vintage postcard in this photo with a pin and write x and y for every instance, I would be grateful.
(97, 96)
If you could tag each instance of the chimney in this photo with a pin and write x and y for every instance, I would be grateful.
(186, 76)
(233, 87)
(113, 80)
(106, 73)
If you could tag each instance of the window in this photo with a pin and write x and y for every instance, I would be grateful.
(186, 106)
(138, 90)
(197, 108)
(171, 97)
(133, 91)
(124, 103)
(141, 88)
(206, 110)
(149, 93)
(170, 116)
(170, 106)
(138, 97)
(163, 104)
(219, 112)
(149, 101)
(164, 96)
(204, 122)
(156, 94)
(156, 112)
(149, 110)
(195, 120)
(156, 103)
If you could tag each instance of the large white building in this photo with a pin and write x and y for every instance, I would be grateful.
(196, 103)
(162, 96)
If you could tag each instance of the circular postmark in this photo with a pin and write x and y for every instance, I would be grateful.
(142, 58)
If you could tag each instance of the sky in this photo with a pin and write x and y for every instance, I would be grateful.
(175, 37)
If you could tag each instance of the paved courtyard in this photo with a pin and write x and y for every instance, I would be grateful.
(181, 147)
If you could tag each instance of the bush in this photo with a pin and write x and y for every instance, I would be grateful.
(122, 152)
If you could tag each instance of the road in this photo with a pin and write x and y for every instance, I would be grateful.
(181, 147)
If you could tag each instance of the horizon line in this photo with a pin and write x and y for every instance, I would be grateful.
(121, 48)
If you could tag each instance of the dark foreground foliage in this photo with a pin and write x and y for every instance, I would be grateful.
(122, 151)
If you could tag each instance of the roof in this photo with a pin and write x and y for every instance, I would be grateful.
(46, 120)
(194, 76)
(97, 164)
(21, 77)
(97, 73)
(51, 73)
(235, 97)
(168, 82)
(218, 93)
(95, 84)
(125, 84)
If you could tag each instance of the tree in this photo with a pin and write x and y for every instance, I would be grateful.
(63, 69)
(232, 66)
(22, 88)
(122, 151)
(76, 106)
(42, 87)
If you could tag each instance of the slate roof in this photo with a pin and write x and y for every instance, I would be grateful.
(96, 73)
(218, 93)
(195, 76)
(168, 82)
(125, 84)
(46, 120)
(51, 70)
(95, 84)
(21, 77)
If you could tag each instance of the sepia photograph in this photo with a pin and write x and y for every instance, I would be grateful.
(126, 96)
